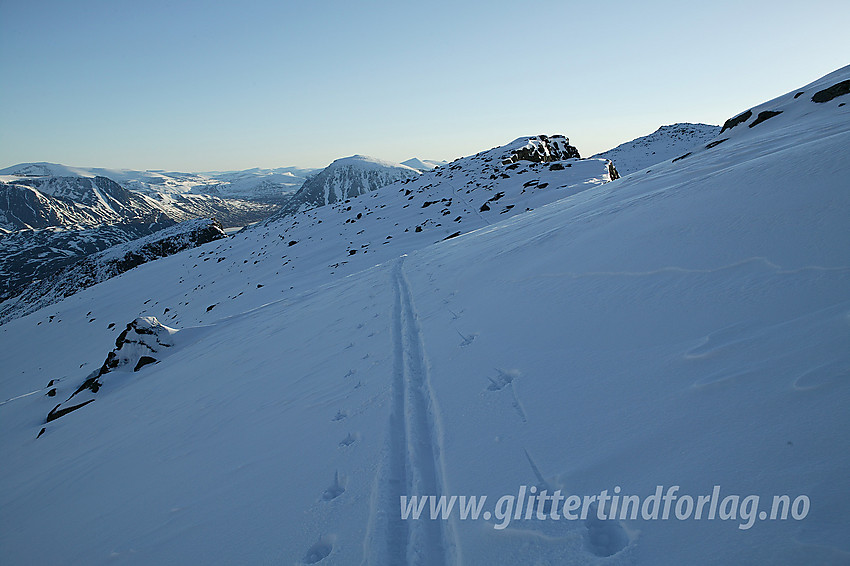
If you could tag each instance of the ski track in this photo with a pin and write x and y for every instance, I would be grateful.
(413, 460)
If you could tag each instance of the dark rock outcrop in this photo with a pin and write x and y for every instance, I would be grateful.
(142, 342)
(739, 119)
(543, 149)
(836, 90)
(766, 115)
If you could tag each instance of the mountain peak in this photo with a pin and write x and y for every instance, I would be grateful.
(345, 178)
(366, 162)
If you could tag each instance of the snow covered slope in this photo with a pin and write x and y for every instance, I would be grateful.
(345, 178)
(423, 164)
(53, 284)
(665, 143)
(689, 326)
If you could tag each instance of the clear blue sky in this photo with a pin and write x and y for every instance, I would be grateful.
(195, 86)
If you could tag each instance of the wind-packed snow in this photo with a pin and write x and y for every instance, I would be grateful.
(688, 326)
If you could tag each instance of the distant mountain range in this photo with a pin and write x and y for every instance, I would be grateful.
(29, 203)
(266, 185)
(51, 216)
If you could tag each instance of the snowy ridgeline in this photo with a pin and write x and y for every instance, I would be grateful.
(663, 144)
(491, 324)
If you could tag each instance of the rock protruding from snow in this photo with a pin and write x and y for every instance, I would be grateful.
(838, 89)
(140, 344)
(346, 178)
(822, 99)
(542, 149)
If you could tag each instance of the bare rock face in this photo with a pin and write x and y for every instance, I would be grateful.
(143, 342)
(543, 149)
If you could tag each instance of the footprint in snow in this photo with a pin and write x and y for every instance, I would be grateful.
(348, 440)
(467, 340)
(504, 381)
(321, 550)
(340, 415)
(604, 538)
(334, 490)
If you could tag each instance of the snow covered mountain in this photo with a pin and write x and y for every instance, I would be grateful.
(37, 283)
(261, 400)
(30, 255)
(665, 143)
(345, 178)
(76, 202)
(42, 202)
(264, 185)
(48, 222)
